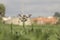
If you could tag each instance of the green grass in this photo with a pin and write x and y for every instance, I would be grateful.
(35, 32)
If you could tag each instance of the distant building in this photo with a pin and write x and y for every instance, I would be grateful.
(45, 20)
(15, 20)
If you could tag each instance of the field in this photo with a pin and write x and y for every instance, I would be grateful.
(33, 32)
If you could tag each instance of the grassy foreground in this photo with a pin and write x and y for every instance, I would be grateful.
(35, 32)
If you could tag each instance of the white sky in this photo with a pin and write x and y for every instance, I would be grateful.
(34, 7)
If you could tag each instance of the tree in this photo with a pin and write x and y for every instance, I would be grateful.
(2, 10)
(57, 14)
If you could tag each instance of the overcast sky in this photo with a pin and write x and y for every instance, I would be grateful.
(34, 7)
